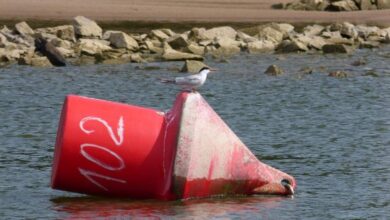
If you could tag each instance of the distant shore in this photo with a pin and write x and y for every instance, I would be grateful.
(248, 11)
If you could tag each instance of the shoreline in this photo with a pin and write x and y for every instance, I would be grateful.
(176, 11)
(84, 41)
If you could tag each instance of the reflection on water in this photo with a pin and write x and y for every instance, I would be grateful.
(94, 207)
(332, 135)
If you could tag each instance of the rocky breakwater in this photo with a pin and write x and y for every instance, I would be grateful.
(334, 5)
(84, 42)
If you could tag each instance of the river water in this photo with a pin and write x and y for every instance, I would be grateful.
(331, 134)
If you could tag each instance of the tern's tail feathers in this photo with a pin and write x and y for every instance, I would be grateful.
(164, 80)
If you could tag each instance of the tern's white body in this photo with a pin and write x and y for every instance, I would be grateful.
(191, 82)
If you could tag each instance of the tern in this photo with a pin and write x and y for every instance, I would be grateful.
(192, 82)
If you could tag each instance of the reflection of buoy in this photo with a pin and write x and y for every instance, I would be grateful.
(114, 149)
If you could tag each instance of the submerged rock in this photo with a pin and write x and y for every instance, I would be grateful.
(336, 48)
(274, 70)
(338, 74)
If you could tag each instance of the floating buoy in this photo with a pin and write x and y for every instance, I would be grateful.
(114, 149)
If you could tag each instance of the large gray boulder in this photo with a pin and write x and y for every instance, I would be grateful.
(65, 32)
(86, 28)
(122, 40)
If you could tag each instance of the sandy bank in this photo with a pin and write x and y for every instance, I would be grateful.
(177, 11)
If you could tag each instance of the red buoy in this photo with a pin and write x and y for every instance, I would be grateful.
(114, 149)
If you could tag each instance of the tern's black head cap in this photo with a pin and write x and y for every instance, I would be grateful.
(204, 68)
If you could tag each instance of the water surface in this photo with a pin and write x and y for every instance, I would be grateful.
(332, 135)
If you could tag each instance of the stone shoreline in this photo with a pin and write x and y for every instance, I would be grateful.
(84, 42)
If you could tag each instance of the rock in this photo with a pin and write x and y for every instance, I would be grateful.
(245, 37)
(284, 28)
(313, 42)
(192, 66)
(86, 60)
(136, 58)
(106, 34)
(178, 42)
(367, 5)
(50, 51)
(119, 60)
(196, 49)
(152, 48)
(366, 31)
(336, 38)
(222, 32)
(10, 54)
(274, 70)
(336, 48)
(66, 52)
(338, 74)
(122, 40)
(174, 55)
(313, 30)
(57, 42)
(306, 70)
(383, 4)
(369, 44)
(86, 28)
(93, 46)
(270, 34)
(228, 45)
(24, 29)
(307, 5)
(3, 40)
(348, 30)
(371, 73)
(65, 32)
(40, 62)
(159, 34)
(261, 46)
(168, 32)
(344, 5)
(359, 62)
(290, 46)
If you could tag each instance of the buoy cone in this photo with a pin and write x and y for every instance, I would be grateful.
(212, 160)
(114, 149)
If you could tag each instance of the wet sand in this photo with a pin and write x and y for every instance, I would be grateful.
(177, 11)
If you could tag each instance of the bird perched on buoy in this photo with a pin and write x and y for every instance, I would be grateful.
(192, 82)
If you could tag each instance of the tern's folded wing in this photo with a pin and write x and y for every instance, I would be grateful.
(188, 81)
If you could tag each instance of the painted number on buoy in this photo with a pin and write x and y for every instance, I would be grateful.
(116, 138)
